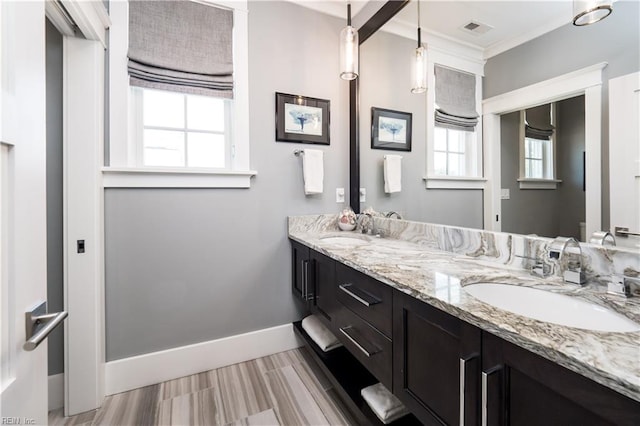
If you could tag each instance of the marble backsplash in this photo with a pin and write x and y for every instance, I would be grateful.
(599, 263)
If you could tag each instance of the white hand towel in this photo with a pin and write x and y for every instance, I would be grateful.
(392, 173)
(320, 334)
(383, 403)
(313, 171)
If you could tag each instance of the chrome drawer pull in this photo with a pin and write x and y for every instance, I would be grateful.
(355, 342)
(485, 396)
(352, 291)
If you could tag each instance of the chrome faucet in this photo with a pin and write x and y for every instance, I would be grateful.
(370, 226)
(392, 213)
(620, 285)
(539, 268)
(573, 272)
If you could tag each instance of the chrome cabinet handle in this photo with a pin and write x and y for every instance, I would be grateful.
(463, 371)
(353, 291)
(39, 325)
(343, 330)
(463, 379)
(485, 395)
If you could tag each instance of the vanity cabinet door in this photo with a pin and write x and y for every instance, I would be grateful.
(323, 274)
(300, 264)
(523, 388)
(436, 363)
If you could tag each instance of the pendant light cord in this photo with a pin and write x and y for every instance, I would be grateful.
(419, 35)
(348, 13)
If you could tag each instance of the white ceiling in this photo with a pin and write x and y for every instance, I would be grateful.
(512, 22)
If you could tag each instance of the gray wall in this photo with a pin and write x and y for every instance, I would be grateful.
(385, 82)
(54, 192)
(615, 40)
(191, 265)
(545, 212)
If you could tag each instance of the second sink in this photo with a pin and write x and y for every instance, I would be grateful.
(551, 307)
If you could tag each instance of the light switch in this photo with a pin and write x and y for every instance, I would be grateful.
(363, 195)
(339, 195)
(504, 194)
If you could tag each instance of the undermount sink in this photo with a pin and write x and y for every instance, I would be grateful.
(551, 307)
(348, 240)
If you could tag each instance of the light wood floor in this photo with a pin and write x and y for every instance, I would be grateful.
(282, 389)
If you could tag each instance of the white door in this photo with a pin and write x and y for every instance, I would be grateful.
(624, 156)
(23, 374)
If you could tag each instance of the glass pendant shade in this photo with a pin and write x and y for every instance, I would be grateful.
(420, 71)
(586, 12)
(349, 50)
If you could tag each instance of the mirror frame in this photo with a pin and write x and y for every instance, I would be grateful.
(381, 17)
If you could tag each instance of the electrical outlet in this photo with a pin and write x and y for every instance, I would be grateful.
(504, 194)
(339, 195)
(363, 195)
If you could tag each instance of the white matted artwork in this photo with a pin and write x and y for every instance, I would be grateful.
(302, 119)
(392, 130)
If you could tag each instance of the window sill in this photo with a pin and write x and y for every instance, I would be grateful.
(131, 177)
(539, 183)
(454, 182)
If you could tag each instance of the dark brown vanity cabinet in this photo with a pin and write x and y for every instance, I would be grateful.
(363, 321)
(522, 388)
(313, 280)
(436, 363)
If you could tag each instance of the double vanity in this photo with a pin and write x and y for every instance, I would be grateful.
(454, 324)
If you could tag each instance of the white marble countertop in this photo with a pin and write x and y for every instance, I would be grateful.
(438, 277)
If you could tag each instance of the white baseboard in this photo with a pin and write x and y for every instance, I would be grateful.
(56, 391)
(156, 367)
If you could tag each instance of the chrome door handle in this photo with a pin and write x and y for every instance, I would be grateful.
(40, 324)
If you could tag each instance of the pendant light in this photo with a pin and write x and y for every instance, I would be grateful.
(349, 50)
(419, 82)
(587, 12)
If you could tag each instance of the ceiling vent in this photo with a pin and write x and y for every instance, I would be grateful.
(475, 27)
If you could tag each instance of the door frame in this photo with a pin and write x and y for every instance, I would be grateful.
(83, 199)
(586, 81)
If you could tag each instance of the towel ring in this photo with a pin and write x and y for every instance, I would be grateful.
(298, 152)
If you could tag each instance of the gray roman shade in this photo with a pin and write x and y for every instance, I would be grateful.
(181, 46)
(538, 122)
(455, 99)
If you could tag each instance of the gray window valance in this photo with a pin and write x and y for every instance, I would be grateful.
(181, 46)
(538, 122)
(455, 99)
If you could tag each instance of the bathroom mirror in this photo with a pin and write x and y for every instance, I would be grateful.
(385, 82)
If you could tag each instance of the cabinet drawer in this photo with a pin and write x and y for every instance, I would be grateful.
(365, 296)
(367, 344)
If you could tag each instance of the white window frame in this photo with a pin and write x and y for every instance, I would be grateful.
(549, 165)
(123, 169)
(476, 67)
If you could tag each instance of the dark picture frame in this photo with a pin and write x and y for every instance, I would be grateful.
(391, 129)
(301, 119)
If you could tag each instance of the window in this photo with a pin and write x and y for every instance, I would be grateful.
(537, 157)
(454, 130)
(454, 152)
(537, 148)
(160, 136)
(181, 130)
